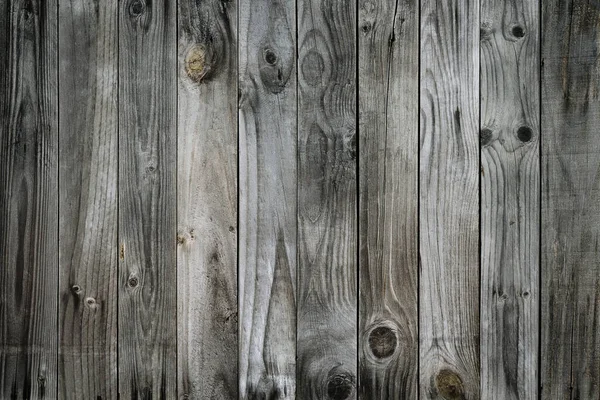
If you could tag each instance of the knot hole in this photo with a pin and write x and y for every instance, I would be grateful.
(382, 342)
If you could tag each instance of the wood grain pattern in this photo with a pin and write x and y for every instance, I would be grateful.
(388, 49)
(327, 196)
(147, 279)
(88, 200)
(570, 200)
(28, 199)
(207, 200)
(449, 200)
(268, 181)
(510, 181)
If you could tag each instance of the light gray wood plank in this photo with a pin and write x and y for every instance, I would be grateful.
(449, 200)
(570, 200)
(388, 49)
(207, 200)
(510, 199)
(147, 280)
(327, 196)
(268, 191)
(88, 200)
(28, 199)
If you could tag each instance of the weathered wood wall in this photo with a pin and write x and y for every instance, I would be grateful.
(281, 199)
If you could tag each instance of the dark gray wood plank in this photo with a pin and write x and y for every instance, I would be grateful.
(268, 191)
(570, 200)
(88, 200)
(327, 196)
(147, 278)
(510, 216)
(207, 200)
(388, 49)
(449, 200)
(28, 199)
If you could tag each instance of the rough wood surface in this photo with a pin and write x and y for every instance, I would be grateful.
(449, 200)
(207, 200)
(28, 199)
(388, 49)
(570, 200)
(268, 194)
(510, 181)
(327, 196)
(147, 279)
(88, 200)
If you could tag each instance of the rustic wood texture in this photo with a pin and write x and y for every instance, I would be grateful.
(207, 200)
(327, 200)
(510, 182)
(388, 49)
(88, 200)
(570, 200)
(268, 147)
(147, 281)
(449, 200)
(28, 199)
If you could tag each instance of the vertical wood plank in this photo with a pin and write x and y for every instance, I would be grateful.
(28, 199)
(207, 200)
(449, 200)
(509, 137)
(268, 194)
(327, 196)
(570, 200)
(388, 49)
(88, 200)
(147, 199)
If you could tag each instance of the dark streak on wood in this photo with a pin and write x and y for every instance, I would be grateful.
(28, 199)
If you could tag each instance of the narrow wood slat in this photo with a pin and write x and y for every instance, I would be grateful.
(449, 200)
(327, 196)
(207, 200)
(510, 181)
(88, 200)
(388, 50)
(268, 191)
(570, 200)
(28, 199)
(147, 280)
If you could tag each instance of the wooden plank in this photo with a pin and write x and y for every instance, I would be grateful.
(88, 200)
(28, 199)
(570, 200)
(207, 200)
(268, 192)
(449, 200)
(327, 200)
(388, 49)
(147, 200)
(510, 181)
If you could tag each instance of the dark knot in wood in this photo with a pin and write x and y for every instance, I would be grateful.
(270, 57)
(340, 386)
(136, 8)
(485, 136)
(382, 342)
(524, 134)
(518, 31)
(449, 385)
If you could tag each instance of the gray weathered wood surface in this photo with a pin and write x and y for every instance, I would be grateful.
(147, 279)
(88, 200)
(510, 196)
(299, 199)
(28, 199)
(388, 50)
(570, 350)
(207, 200)
(268, 199)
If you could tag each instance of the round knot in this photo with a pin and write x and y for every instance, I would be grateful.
(132, 282)
(195, 63)
(449, 385)
(518, 31)
(270, 57)
(136, 8)
(340, 386)
(524, 134)
(485, 136)
(382, 342)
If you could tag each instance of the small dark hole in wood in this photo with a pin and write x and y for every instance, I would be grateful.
(526, 294)
(340, 387)
(231, 229)
(518, 31)
(132, 282)
(382, 342)
(76, 289)
(524, 134)
(90, 301)
(366, 28)
(485, 136)
(136, 8)
(270, 57)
